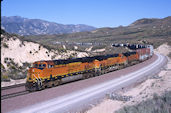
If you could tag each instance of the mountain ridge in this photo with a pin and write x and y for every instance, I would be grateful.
(158, 30)
(25, 26)
(149, 20)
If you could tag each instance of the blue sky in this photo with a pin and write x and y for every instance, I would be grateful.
(98, 13)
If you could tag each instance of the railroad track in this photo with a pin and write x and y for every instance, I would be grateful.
(13, 91)
(12, 86)
(14, 94)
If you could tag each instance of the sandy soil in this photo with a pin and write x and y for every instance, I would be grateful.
(163, 49)
(30, 52)
(142, 91)
(13, 82)
(99, 50)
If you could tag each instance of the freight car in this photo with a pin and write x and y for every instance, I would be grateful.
(51, 73)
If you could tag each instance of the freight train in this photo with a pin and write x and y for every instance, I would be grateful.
(52, 73)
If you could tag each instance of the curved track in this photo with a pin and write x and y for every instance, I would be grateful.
(82, 92)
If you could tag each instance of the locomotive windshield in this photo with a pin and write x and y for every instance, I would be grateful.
(39, 66)
(42, 65)
(35, 65)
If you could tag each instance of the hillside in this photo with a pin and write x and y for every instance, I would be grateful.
(25, 26)
(149, 30)
(18, 54)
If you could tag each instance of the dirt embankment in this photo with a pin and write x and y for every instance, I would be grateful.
(158, 84)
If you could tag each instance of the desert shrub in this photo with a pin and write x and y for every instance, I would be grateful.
(73, 55)
(53, 57)
(5, 78)
(159, 104)
(17, 75)
(39, 47)
(13, 67)
(2, 66)
(20, 45)
(62, 50)
(15, 71)
(26, 64)
(5, 45)
(47, 47)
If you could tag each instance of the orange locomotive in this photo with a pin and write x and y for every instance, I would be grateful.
(54, 72)
(132, 57)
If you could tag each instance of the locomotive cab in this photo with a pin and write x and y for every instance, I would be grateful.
(36, 70)
(40, 65)
(34, 74)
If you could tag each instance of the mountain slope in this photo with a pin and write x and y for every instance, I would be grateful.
(143, 29)
(24, 26)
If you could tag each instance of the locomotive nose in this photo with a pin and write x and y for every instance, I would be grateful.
(29, 75)
(31, 72)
